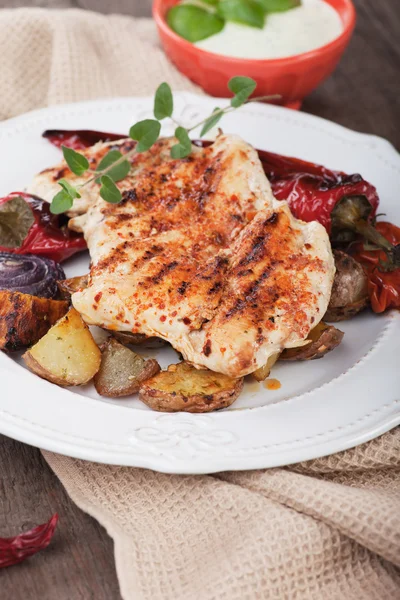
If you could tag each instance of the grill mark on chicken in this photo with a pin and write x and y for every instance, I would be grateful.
(200, 253)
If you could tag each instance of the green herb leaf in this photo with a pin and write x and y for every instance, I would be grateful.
(242, 87)
(212, 2)
(61, 203)
(118, 172)
(271, 6)
(194, 23)
(109, 191)
(246, 12)
(211, 121)
(76, 162)
(71, 191)
(184, 147)
(16, 219)
(163, 102)
(145, 133)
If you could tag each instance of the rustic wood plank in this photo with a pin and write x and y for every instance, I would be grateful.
(79, 565)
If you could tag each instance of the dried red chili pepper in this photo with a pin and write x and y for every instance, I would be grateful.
(14, 550)
(383, 285)
(79, 139)
(28, 227)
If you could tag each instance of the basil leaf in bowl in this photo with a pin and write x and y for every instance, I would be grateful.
(245, 12)
(194, 23)
(271, 6)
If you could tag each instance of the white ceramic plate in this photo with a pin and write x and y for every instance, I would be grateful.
(323, 406)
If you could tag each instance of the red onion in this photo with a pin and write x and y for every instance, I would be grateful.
(29, 274)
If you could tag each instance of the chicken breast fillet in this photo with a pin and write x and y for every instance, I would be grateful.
(201, 254)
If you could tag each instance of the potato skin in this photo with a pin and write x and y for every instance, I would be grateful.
(169, 391)
(323, 339)
(138, 339)
(24, 319)
(349, 291)
(122, 371)
(67, 355)
(67, 287)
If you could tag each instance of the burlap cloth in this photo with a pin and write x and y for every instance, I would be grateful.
(326, 529)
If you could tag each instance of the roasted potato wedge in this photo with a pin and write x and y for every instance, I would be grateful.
(122, 371)
(323, 338)
(67, 354)
(263, 372)
(184, 388)
(138, 339)
(67, 287)
(24, 319)
(349, 291)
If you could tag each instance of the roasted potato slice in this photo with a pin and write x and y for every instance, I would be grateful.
(184, 388)
(122, 371)
(323, 338)
(24, 319)
(349, 291)
(138, 339)
(67, 354)
(67, 287)
(263, 372)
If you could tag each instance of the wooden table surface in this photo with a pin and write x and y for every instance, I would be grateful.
(362, 94)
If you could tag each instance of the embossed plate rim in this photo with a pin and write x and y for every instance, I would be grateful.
(40, 414)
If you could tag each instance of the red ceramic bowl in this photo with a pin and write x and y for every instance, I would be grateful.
(292, 78)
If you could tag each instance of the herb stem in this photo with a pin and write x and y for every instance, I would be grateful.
(99, 174)
(229, 109)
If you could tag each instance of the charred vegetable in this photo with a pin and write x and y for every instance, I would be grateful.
(67, 354)
(67, 287)
(24, 319)
(122, 371)
(184, 388)
(28, 227)
(350, 217)
(349, 291)
(322, 339)
(29, 274)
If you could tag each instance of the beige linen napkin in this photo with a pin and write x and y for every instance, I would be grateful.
(328, 529)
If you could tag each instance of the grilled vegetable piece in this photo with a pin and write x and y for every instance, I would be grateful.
(24, 319)
(263, 372)
(322, 339)
(349, 291)
(67, 287)
(29, 274)
(138, 339)
(67, 354)
(122, 371)
(184, 388)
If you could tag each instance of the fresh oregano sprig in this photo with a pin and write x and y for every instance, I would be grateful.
(115, 166)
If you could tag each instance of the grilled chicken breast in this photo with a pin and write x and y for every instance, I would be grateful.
(201, 254)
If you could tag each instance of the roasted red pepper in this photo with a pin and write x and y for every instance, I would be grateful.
(14, 550)
(40, 232)
(311, 190)
(80, 139)
(383, 285)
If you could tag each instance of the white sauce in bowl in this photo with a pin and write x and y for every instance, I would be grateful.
(309, 26)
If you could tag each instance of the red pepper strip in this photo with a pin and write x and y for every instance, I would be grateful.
(383, 286)
(79, 139)
(46, 237)
(312, 191)
(14, 550)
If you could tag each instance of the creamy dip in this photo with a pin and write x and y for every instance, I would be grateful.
(309, 26)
